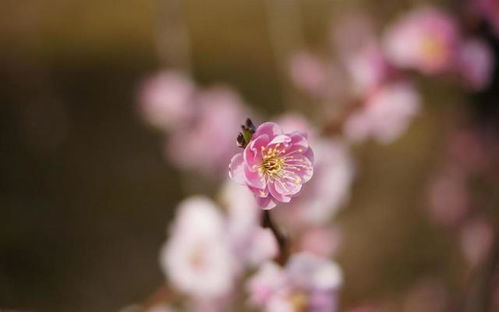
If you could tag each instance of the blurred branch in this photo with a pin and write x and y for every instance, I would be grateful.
(160, 296)
(281, 239)
(172, 35)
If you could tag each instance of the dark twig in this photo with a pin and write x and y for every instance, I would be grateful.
(282, 241)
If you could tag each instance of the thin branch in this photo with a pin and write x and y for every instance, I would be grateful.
(282, 240)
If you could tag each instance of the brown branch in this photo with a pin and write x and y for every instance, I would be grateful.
(282, 241)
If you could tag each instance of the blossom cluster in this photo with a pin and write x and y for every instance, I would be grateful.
(221, 252)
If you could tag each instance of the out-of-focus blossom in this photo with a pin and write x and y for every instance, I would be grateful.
(251, 244)
(425, 39)
(321, 241)
(427, 295)
(449, 197)
(274, 165)
(309, 74)
(476, 240)
(166, 100)
(368, 68)
(386, 113)
(489, 10)
(360, 53)
(307, 283)
(327, 191)
(466, 147)
(207, 144)
(290, 122)
(476, 63)
(197, 259)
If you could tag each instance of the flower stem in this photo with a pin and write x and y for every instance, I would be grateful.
(282, 241)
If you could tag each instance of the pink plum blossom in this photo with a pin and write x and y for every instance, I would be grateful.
(307, 283)
(322, 241)
(425, 39)
(274, 165)
(427, 295)
(476, 63)
(166, 100)
(489, 10)
(449, 198)
(386, 113)
(207, 144)
(360, 53)
(197, 258)
(477, 237)
(309, 74)
(367, 68)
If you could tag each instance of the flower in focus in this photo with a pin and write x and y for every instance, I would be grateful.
(197, 259)
(386, 113)
(307, 283)
(207, 144)
(476, 63)
(274, 165)
(425, 39)
(166, 100)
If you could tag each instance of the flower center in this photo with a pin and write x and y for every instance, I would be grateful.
(272, 163)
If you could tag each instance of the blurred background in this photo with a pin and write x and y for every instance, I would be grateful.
(86, 190)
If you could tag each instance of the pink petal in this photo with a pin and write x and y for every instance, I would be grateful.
(253, 152)
(265, 203)
(280, 139)
(276, 194)
(254, 178)
(301, 166)
(236, 168)
(269, 128)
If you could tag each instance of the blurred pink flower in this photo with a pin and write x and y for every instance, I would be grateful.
(386, 113)
(274, 165)
(476, 240)
(489, 10)
(207, 143)
(360, 53)
(427, 295)
(197, 258)
(476, 63)
(425, 39)
(309, 74)
(367, 68)
(307, 283)
(293, 121)
(166, 100)
(467, 148)
(321, 241)
(322, 197)
(448, 197)
(251, 244)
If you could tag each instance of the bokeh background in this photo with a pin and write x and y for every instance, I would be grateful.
(86, 193)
